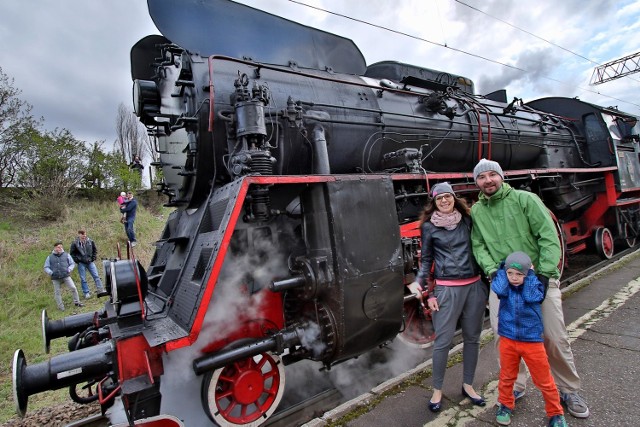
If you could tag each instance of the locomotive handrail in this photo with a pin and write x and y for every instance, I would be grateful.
(103, 399)
(134, 266)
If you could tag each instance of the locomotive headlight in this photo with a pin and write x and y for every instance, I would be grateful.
(146, 99)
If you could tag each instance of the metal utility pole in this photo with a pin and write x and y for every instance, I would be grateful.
(616, 69)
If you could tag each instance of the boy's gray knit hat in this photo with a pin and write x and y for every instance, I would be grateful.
(440, 188)
(518, 261)
(485, 165)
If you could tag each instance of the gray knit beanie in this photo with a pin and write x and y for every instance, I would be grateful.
(485, 165)
(440, 188)
(518, 261)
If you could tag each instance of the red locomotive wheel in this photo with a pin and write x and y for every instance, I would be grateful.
(630, 237)
(604, 242)
(244, 393)
(418, 329)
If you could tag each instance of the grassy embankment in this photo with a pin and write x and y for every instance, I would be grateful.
(25, 290)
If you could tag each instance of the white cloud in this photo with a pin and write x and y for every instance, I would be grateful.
(70, 58)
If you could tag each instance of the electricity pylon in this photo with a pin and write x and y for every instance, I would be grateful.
(616, 69)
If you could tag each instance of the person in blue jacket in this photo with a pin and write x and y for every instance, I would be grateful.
(521, 337)
(129, 209)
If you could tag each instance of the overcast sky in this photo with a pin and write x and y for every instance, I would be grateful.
(70, 58)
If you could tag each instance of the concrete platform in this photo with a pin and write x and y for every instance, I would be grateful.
(602, 312)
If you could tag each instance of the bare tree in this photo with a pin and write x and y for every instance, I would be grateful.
(132, 139)
(17, 127)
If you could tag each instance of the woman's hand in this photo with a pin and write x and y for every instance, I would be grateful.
(416, 289)
(433, 304)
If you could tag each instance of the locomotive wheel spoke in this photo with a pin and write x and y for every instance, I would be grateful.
(630, 238)
(604, 242)
(418, 330)
(244, 392)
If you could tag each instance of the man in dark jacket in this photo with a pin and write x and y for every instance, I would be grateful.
(84, 252)
(129, 209)
(59, 266)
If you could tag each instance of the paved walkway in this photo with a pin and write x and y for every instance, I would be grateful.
(604, 325)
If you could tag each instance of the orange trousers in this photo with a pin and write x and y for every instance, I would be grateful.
(535, 357)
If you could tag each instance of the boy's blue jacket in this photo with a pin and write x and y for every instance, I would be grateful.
(520, 315)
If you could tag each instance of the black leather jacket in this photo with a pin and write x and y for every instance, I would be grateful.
(86, 253)
(449, 249)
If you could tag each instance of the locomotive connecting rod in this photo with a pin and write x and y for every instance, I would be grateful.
(286, 284)
(277, 343)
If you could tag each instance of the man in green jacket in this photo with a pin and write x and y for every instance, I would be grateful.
(507, 220)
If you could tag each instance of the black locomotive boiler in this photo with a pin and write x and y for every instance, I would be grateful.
(297, 173)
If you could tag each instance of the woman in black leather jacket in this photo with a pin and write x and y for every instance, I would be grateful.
(459, 293)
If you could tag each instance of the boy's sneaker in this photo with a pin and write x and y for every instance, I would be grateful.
(133, 244)
(79, 304)
(87, 296)
(576, 405)
(518, 394)
(557, 421)
(503, 415)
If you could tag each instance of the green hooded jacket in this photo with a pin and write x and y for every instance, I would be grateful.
(514, 220)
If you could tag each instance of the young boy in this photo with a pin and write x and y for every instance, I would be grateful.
(521, 337)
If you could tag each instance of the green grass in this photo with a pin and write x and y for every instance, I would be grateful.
(25, 290)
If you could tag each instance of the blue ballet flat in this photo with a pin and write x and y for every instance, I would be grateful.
(435, 407)
(478, 401)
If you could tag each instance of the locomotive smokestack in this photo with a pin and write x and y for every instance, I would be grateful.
(60, 371)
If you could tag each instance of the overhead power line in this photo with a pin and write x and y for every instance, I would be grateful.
(616, 69)
(527, 32)
(301, 3)
(541, 39)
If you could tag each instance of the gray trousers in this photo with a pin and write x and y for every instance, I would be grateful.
(556, 341)
(68, 282)
(467, 304)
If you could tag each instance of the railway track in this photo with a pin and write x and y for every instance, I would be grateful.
(298, 410)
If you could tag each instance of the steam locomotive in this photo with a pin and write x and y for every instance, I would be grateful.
(298, 173)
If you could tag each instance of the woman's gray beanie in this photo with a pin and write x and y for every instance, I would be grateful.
(441, 187)
(485, 165)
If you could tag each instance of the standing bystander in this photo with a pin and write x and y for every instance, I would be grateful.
(59, 266)
(506, 220)
(129, 209)
(137, 164)
(84, 252)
